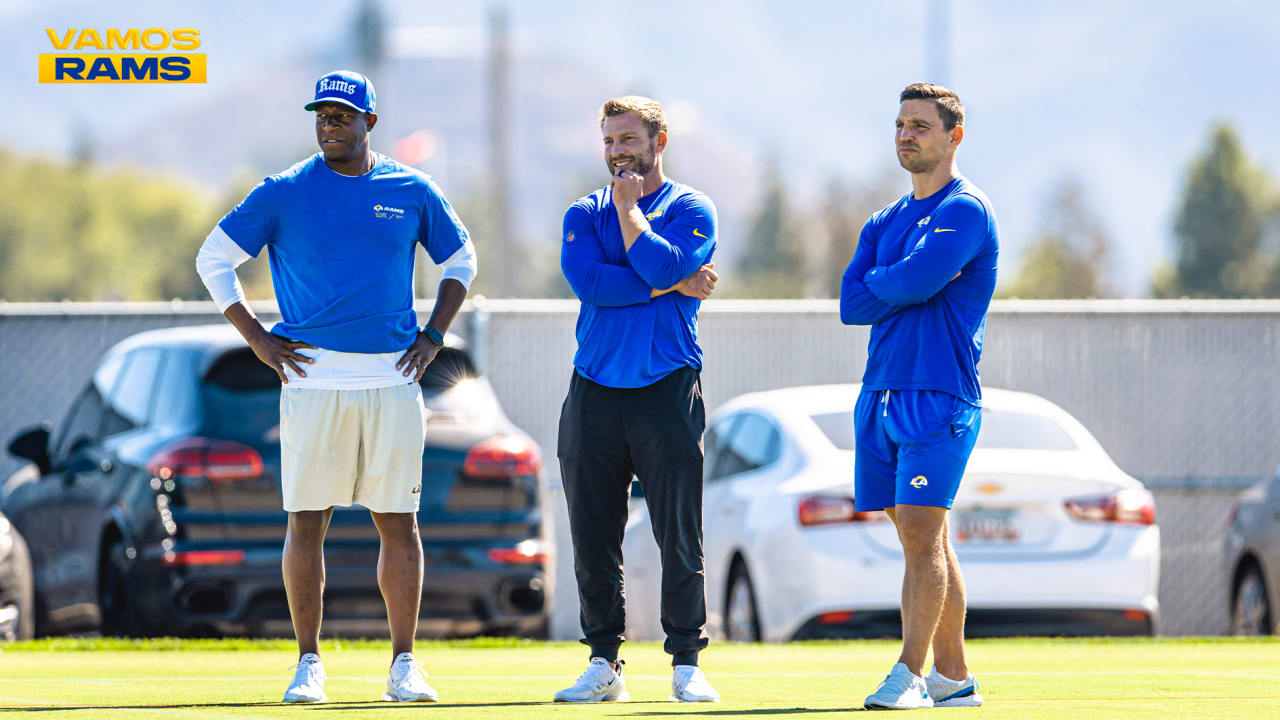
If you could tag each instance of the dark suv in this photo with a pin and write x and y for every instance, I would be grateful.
(155, 507)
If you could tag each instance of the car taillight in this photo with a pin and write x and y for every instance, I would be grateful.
(839, 617)
(203, 557)
(503, 456)
(527, 552)
(217, 460)
(833, 509)
(1134, 506)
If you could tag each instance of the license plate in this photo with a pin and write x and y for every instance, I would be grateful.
(985, 526)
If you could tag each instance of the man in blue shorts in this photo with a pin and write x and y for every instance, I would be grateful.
(922, 277)
(342, 228)
(637, 253)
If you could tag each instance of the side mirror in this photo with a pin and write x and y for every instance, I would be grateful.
(33, 444)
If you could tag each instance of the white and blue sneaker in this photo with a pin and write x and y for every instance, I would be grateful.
(946, 692)
(308, 681)
(688, 684)
(407, 682)
(901, 690)
(598, 683)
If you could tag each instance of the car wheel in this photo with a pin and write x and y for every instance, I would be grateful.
(1251, 613)
(20, 615)
(113, 593)
(741, 621)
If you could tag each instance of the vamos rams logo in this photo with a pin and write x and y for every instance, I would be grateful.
(113, 55)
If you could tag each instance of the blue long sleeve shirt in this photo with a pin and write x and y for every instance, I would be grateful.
(625, 339)
(922, 277)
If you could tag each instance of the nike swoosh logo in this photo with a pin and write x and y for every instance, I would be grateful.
(944, 229)
(695, 232)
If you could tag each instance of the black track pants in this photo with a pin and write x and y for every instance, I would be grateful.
(655, 432)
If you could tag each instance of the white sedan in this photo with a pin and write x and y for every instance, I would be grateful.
(1053, 538)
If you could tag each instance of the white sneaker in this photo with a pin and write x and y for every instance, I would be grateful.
(688, 684)
(901, 690)
(308, 681)
(407, 682)
(598, 683)
(946, 692)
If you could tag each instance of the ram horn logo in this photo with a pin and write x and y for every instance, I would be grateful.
(919, 481)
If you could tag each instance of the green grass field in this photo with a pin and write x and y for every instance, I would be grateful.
(1022, 678)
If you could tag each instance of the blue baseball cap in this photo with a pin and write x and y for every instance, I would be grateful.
(346, 87)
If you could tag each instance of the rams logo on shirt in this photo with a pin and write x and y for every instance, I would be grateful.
(654, 214)
(387, 212)
(924, 221)
(569, 237)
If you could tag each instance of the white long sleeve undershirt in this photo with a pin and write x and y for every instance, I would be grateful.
(219, 256)
(216, 263)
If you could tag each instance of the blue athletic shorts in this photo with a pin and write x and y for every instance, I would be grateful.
(912, 447)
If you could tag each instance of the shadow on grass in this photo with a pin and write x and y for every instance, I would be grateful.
(346, 705)
(193, 706)
(445, 705)
(755, 711)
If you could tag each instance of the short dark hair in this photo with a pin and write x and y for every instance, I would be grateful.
(947, 102)
(648, 110)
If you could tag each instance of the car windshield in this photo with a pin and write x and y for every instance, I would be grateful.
(242, 395)
(1000, 431)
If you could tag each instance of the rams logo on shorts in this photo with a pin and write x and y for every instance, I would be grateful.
(416, 489)
(919, 481)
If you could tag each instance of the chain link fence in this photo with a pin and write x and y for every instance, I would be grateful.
(1184, 395)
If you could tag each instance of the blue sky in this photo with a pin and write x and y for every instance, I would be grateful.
(1120, 95)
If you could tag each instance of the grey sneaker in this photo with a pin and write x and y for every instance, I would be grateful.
(308, 681)
(407, 682)
(946, 692)
(598, 683)
(901, 690)
(688, 684)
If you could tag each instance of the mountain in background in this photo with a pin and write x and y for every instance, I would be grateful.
(1110, 93)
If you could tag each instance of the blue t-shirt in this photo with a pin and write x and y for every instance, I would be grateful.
(626, 340)
(342, 249)
(927, 323)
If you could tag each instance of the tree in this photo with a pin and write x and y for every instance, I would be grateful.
(1069, 259)
(477, 212)
(771, 263)
(845, 208)
(1219, 225)
(84, 234)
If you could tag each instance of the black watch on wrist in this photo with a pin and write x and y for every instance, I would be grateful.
(434, 336)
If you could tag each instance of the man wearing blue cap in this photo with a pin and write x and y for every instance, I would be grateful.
(341, 228)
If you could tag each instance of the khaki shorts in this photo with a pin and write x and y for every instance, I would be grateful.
(352, 447)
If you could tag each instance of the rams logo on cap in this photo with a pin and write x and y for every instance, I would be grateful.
(341, 86)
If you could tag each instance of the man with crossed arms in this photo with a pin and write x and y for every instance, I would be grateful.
(922, 276)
